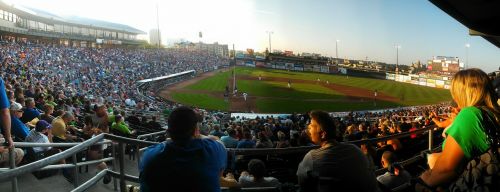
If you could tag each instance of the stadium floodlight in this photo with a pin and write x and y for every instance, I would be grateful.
(337, 51)
(397, 56)
(269, 33)
(467, 46)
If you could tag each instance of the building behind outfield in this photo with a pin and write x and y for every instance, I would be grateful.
(21, 24)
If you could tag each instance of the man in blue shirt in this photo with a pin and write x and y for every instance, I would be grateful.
(30, 112)
(186, 163)
(230, 140)
(19, 129)
(5, 115)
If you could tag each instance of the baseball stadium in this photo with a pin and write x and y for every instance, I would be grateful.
(99, 104)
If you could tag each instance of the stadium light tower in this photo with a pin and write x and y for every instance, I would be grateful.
(158, 26)
(269, 33)
(467, 45)
(397, 56)
(337, 51)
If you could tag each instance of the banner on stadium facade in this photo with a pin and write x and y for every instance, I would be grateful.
(439, 84)
(298, 68)
(308, 67)
(250, 63)
(325, 69)
(260, 64)
(390, 76)
(431, 83)
(316, 68)
(343, 70)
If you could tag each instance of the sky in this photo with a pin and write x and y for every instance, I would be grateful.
(364, 29)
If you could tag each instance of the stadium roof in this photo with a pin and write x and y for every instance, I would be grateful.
(480, 16)
(52, 18)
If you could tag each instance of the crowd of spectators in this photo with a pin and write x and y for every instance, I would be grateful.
(71, 94)
(67, 94)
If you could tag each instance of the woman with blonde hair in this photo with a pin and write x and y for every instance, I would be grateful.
(472, 136)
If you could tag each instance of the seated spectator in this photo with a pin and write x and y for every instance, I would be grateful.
(255, 176)
(334, 166)
(246, 141)
(188, 162)
(18, 128)
(30, 112)
(60, 128)
(282, 142)
(153, 124)
(95, 152)
(47, 113)
(50, 101)
(263, 141)
(230, 140)
(395, 175)
(100, 118)
(217, 132)
(4, 155)
(121, 127)
(41, 134)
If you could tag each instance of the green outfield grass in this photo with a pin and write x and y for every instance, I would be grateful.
(275, 96)
(201, 100)
(215, 83)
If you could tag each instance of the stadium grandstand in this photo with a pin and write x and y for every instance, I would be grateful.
(84, 106)
(22, 23)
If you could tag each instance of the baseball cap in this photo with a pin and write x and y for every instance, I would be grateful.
(42, 124)
(16, 106)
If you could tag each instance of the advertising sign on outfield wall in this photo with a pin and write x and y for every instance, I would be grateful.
(343, 70)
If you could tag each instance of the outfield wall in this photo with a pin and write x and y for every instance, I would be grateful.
(429, 80)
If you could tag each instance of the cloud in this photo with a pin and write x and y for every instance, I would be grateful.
(265, 12)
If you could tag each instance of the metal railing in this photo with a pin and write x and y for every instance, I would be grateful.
(45, 164)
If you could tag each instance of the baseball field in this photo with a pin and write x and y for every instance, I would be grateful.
(279, 91)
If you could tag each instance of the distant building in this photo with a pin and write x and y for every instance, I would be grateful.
(215, 48)
(155, 37)
(444, 64)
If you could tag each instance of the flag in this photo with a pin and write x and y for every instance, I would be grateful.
(200, 34)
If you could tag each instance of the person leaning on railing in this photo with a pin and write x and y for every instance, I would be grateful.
(5, 115)
(467, 161)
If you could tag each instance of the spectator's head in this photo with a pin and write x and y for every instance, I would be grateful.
(42, 126)
(100, 109)
(281, 136)
(388, 158)
(29, 103)
(472, 87)
(257, 168)
(182, 123)
(48, 109)
(16, 110)
(322, 127)
(231, 132)
(118, 118)
(247, 134)
(67, 117)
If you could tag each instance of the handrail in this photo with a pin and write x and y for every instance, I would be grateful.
(395, 136)
(29, 144)
(127, 177)
(128, 140)
(151, 134)
(49, 160)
